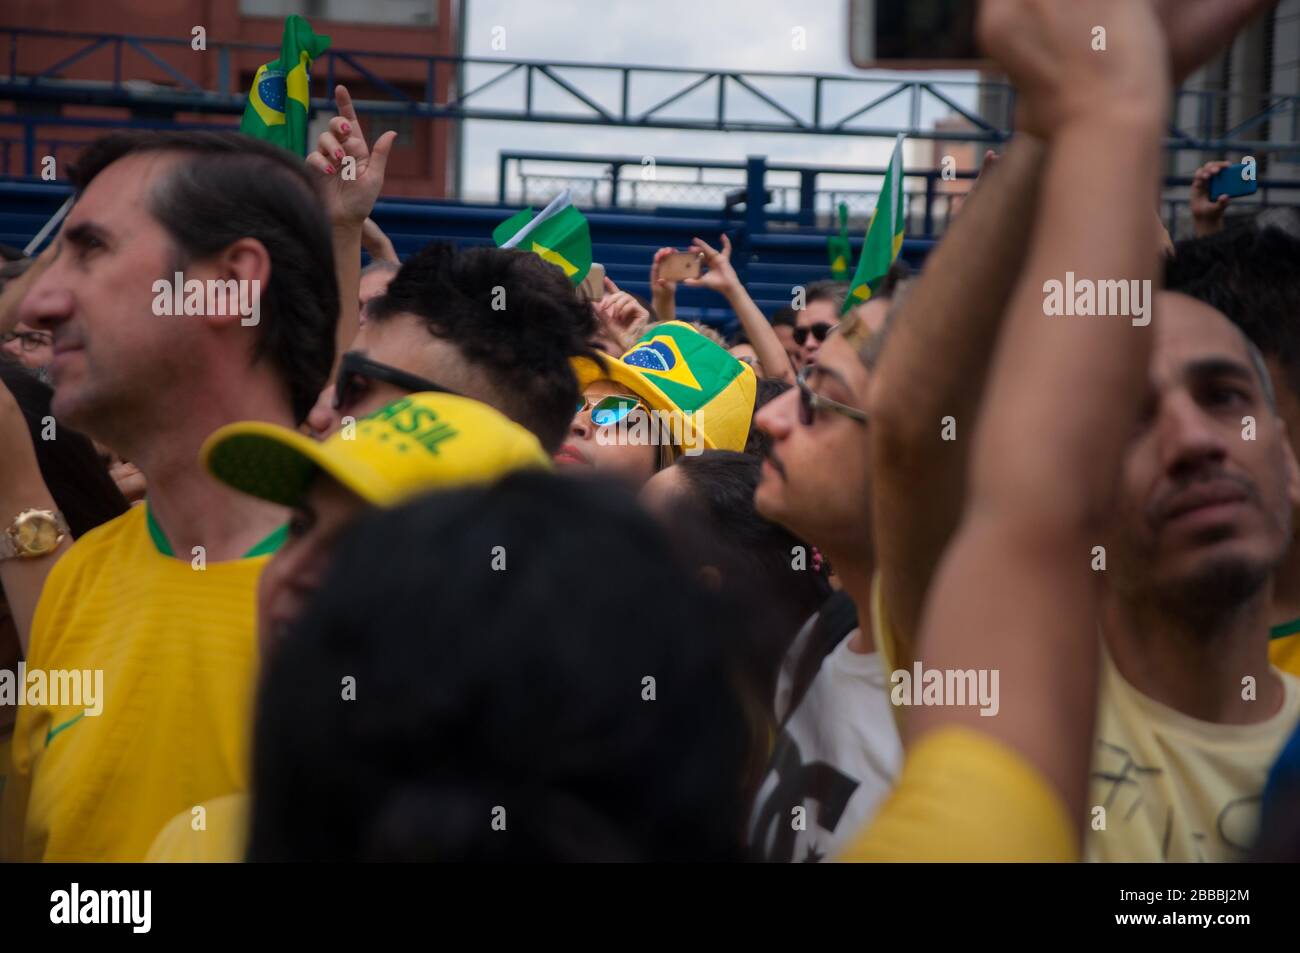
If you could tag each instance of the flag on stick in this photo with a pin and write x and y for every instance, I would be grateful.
(279, 99)
(559, 234)
(838, 249)
(884, 234)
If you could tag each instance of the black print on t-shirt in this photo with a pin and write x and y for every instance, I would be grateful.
(797, 783)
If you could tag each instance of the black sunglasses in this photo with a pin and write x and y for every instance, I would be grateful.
(356, 371)
(819, 331)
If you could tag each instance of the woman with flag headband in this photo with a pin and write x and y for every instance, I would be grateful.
(674, 392)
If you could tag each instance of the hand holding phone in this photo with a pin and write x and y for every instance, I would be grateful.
(1232, 182)
(593, 286)
(679, 266)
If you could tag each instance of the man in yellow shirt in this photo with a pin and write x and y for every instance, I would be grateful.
(417, 443)
(161, 600)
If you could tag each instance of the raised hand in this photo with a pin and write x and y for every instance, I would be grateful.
(1198, 29)
(1207, 213)
(1072, 60)
(720, 277)
(619, 309)
(350, 198)
(660, 285)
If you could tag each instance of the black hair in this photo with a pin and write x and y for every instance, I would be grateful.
(833, 291)
(230, 186)
(784, 316)
(762, 563)
(73, 471)
(898, 273)
(506, 311)
(1252, 275)
(521, 686)
(766, 390)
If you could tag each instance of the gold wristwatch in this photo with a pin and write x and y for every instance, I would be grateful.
(32, 534)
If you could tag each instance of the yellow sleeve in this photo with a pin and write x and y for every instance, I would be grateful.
(222, 838)
(965, 796)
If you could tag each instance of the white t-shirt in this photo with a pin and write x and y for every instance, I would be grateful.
(836, 756)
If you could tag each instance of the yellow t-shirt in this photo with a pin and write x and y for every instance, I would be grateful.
(217, 835)
(1174, 787)
(1284, 647)
(177, 648)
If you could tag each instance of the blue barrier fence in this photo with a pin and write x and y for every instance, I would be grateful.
(771, 263)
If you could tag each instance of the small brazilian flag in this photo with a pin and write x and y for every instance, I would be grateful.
(279, 101)
(559, 233)
(838, 249)
(884, 234)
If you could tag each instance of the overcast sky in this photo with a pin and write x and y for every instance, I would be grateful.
(699, 34)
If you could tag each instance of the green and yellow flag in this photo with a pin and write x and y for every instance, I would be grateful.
(838, 249)
(279, 100)
(559, 233)
(884, 234)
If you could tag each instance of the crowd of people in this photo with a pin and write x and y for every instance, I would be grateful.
(445, 559)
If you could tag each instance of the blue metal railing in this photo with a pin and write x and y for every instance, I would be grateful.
(820, 104)
(801, 201)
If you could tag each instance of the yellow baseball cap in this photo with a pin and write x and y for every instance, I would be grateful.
(417, 443)
(676, 369)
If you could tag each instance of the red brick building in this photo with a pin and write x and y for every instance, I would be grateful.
(423, 164)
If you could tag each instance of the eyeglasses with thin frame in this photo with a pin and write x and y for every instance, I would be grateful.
(356, 372)
(28, 340)
(818, 331)
(810, 402)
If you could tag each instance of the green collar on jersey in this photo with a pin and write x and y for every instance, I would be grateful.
(267, 546)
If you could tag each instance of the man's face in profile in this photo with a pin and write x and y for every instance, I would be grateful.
(96, 298)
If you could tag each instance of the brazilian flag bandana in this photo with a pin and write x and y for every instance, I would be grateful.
(677, 370)
(279, 100)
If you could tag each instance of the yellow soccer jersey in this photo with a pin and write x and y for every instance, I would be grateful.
(211, 833)
(1284, 646)
(178, 651)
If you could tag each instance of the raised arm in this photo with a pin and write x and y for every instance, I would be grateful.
(349, 199)
(377, 244)
(1015, 593)
(23, 488)
(934, 367)
(663, 293)
(722, 278)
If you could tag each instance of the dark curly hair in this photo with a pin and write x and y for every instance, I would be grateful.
(757, 558)
(509, 312)
(1252, 275)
